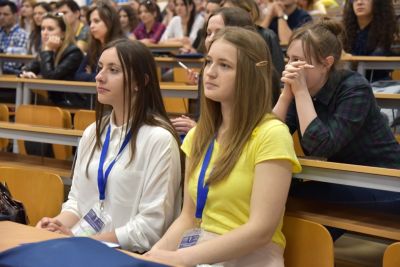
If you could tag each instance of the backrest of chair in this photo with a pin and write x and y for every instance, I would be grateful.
(45, 116)
(4, 116)
(391, 258)
(41, 192)
(83, 118)
(308, 244)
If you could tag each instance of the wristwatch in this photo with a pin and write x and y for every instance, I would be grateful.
(284, 17)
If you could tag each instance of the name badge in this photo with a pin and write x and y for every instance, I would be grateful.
(92, 223)
(191, 238)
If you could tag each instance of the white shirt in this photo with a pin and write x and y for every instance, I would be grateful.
(142, 197)
(174, 28)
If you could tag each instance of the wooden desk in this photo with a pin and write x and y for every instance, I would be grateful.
(14, 58)
(164, 47)
(349, 174)
(172, 62)
(24, 87)
(14, 234)
(372, 62)
(41, 134)
(391, 101)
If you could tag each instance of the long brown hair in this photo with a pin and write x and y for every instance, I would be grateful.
(69, 37)
(110, 17)
(145, 105)
(252, 101)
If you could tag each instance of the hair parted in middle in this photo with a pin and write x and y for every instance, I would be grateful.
(145, 104)
(252, 101)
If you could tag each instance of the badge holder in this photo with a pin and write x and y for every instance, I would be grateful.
(94, 222)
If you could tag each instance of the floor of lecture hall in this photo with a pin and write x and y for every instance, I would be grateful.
(353, 250)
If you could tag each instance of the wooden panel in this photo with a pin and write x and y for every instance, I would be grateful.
(341, 216)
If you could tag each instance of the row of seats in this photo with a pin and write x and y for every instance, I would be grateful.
(48, 116)
(308, 243)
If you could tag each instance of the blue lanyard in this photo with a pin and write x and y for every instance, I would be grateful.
(101, 176)
(202, 189)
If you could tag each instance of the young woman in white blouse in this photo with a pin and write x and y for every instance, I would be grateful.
(183, 27)
(127, 176)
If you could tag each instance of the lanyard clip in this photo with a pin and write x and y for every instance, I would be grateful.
(101, 205)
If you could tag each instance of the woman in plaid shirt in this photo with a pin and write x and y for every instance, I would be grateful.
(336, 115)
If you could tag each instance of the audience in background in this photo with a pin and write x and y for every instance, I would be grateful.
(72, 14)
(104, 27)
(149, 29)
(35, 38)
(283, 17)
(58, 59)
(370, 30)
(135, 189)
(268, 35)
(13, 39)
(169, 12)
(128, 19)
(183, 27)
(240, 159)
(26, 15)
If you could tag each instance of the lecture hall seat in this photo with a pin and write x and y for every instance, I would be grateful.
(41, 192)
(391, 258)
(308, 244)
(83, 118)
(45, 116)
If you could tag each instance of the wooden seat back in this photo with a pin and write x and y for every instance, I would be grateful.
(45, 116)
(391, 258)
(308, 244)
(41, 192)
(83, 118)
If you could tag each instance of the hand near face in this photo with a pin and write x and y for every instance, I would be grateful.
(53, 225)
(294, 76)
(53, 43)
(277, 9)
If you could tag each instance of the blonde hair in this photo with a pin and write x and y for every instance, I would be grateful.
(252, 101)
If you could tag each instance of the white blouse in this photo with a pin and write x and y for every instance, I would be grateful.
(174, 28)
(143, 197)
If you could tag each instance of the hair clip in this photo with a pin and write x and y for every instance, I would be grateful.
(261, 63)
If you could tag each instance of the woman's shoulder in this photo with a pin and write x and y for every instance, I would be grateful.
(155, 133)
(270, 126)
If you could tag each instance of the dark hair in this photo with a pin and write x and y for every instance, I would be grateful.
(248, 5)
(192, 14)
(35, 37)
(382, 26)
(233, 16)
(320, 39)
(109, 16)
(12, 6)
(145, 105)
(71, 4)
(132, 16)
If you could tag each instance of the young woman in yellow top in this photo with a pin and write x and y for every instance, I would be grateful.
(240, 160)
